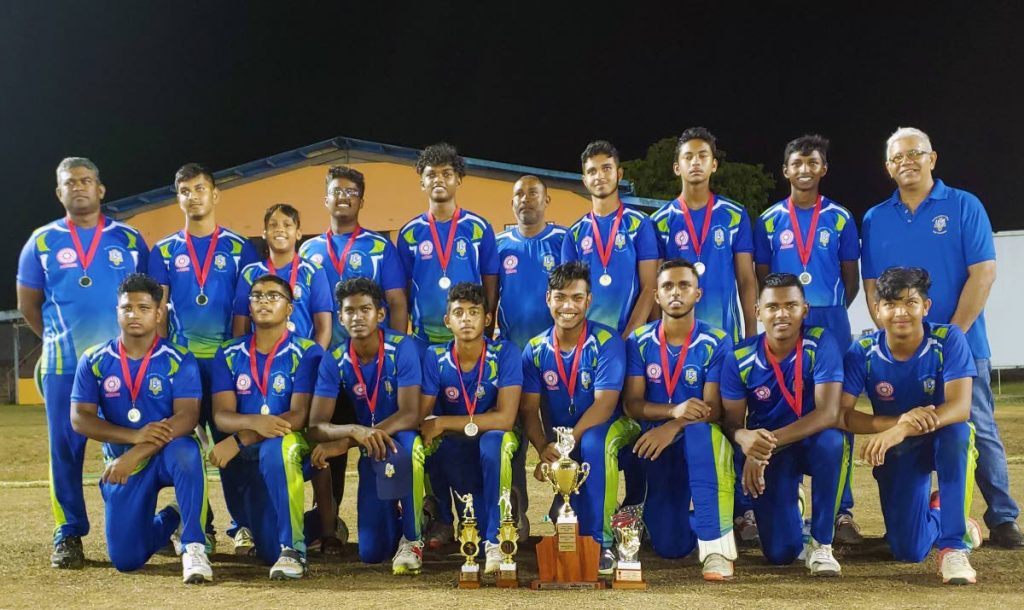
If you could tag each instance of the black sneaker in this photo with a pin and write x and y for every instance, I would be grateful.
(68, 554)
(1007, 535)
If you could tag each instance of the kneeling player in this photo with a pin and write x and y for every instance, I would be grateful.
(578, 367)
(139, 395)
(785, 385)
(379, 369)
(672, 377)
(261, 386)
(472, 385)
(918, 377)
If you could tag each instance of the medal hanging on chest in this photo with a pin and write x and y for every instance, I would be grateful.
(471, 429)
(85, 258)
(262, 381)
(444, 255)
(804, 246)
(570, 381)
(202, 273)
(604, 251)
(371, 399)
(691, 230)
(134, 414)
(795, 400)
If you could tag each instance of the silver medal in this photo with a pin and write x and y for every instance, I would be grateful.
(265, 410)
(134, 415)
(471, 429)
(805, 278)
(444, 282)
(699, 266)
(605, 280)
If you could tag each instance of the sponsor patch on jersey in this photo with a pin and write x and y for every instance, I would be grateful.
(67, 257)
(940, 224)
(587, 244)
(551, 379)
(510, 263)
(653, 372)
(317, 258)
(112, 384)
(786, 238)
(426, 249)
(181, 262)
(763, 393)
(279, 383)
(243, 383)
(884, 390)
(682, 239)
(451, 393)
(359, 390)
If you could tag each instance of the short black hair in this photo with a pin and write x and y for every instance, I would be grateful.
(677, 263)
(599, 147)
(190, 171)
(270, 278)
(467, 291)
(440, 154)
(359, 286)
(348, 173)
(140, 282)
(805, 145)
(285, 209)
(697, 133)
(782, 280)
(543, 184)
(567, 273)
(895, 280)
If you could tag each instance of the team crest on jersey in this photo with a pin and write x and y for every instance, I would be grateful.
(220, 261)
(884, 390)
(460, 247)
(620, 240)
(763, 393)
(388, 388)
(480, 391)
(452, 393)
(587, 244)
(549, 262)
(719, 237)
(824, 237)
(155, 386)
(279, 382)
(510, 263)
(786, 238)
(585, 379)
(929, 385)
(551, 379)
(940, 224)
(297, 292)
(653, 372)
(243, 383)
(317, 258)
(355, 260)
(181, 261)
(66, 257)
(359, 390)
(115, 257)
(111, 385)
(426, 249)
(690, 375)
(682, 240)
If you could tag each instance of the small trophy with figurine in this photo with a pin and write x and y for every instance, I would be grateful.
(508, 537)
(469, 544)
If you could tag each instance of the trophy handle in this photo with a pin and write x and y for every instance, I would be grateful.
(584, 473)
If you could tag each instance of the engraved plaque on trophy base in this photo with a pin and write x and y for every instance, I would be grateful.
(469, 577)
(575, 569)
(628, 575)
(508, 576)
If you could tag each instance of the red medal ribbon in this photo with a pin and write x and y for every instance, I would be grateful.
(133, 388)
(443, 256)
(294, 273)
(672, 379)
(202, 273)
(803, 247)
(261, 383)
(690, 228)
(85, 258)
(470, 406)
(339, 264)
(605, 254)
(570, 383)
(371, 399)
(796, 399)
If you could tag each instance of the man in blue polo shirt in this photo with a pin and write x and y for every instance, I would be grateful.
(947, 232)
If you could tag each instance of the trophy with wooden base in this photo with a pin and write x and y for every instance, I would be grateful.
(628, 529)
(567, 560)
(508, 537)
(469, 545)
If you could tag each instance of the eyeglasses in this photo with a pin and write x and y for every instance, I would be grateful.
(911, 155)
(270, 297)
(346, 192)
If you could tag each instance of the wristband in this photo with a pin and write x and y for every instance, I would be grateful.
(238, 440)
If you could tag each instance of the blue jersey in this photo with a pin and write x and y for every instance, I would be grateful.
(502, 368)
(77, 317)
(602, 366)
(894, 386)
(172, 373)
(835, 241)
(748, 375)
(402, 369)
(523, 281)
(372, 256)
(293, 371)
(311, 294)
(634, 242)
(703, 363)
(200, 328)
(729, 234)
(473, 256)
(949, 232)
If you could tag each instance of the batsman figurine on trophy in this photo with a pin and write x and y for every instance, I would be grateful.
(508, 537)
(469, 544)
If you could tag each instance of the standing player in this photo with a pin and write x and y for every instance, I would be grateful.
(138, 394)
(617, 243)
(472, 385)
(815, 239)
(577, 367)
(379, 370)
(261, 385)
(68, 274)
(198, 268)
(917, 375)
(312, 302)
(781, 391)
(445, 245)
(946, 231)
(672, 377)
(347, 250)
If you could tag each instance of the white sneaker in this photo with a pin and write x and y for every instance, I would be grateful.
(974, 532)
(195, 567)
(409, 558)
(290, 565)
(493, 553)
(955, 568)
(820, 560)
(746, 529)
(244, 543)
(717, 568)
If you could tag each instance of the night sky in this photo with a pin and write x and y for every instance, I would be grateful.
(142, 87)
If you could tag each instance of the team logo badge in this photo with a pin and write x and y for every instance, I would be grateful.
(929, 385)
(359, 390)
(155, 386)
(824, 237)
(480, 391)
(460, 247)
(181, 261)
(426, 249)
(620, 240)
(763, 393)
(690, 375)
(786, 237)
(682, 239)
(884, 389)
(389, 470)
(220, 261)
(317, 258)
(719, 236)
(452, 393)
(587, 244)
(355, 260)
(511, 262)
(388, 388)
(112, 384)
(297, 292)
(940, 224)
(551, 378)
(653, 371)
(115, 257)
(66, 256)
(243, 383)
(549, 262)
(279, 382)
(585, 379)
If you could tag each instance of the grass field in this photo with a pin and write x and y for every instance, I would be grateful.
(870, 576)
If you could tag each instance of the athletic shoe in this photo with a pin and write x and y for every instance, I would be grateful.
(955, 568)
(717, 568)
(176, 534)
(195, 567)
(291, 565)
(409, 558)
(608, 562)
(801, 501)
(341, 532)
(974, 532)
(439, 534)
(68, 554)
(847, 530)
(493, 553)
(244, 544)
(820, 560)
(211, 540)
(746, 529)
(1007, 535)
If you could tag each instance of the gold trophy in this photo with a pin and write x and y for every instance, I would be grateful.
(628, 529)
(469, 544)
(508, 536)
(567, 560)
